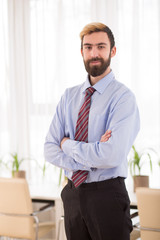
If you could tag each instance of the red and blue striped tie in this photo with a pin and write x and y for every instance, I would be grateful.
(81, 134)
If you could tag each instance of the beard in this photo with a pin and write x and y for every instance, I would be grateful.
(95, 71)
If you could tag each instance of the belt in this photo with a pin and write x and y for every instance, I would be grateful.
(108, 182)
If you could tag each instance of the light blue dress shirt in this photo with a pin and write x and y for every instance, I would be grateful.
(113, 107)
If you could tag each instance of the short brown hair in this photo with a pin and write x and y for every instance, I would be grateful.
(97, 27)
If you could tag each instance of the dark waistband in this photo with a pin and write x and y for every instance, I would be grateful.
(108, 182)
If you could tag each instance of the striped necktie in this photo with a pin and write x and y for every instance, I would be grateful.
(81, 134)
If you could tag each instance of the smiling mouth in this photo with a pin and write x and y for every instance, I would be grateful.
(95, 62)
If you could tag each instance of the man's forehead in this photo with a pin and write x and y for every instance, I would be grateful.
(96, 38)
(97, 44)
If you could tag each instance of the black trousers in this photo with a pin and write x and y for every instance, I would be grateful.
(97, 211)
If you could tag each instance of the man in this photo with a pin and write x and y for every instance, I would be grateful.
(91, 134)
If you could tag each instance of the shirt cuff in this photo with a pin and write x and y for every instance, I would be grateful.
(67, 147)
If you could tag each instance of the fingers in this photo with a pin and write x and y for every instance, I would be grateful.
(105, 137)
(63, 140)
(108, 132)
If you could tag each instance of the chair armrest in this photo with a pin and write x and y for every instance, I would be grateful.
(45, 208)
(137, 225)
(135, 214)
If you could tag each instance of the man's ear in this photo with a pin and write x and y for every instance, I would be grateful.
(82, 52)
(113, 51)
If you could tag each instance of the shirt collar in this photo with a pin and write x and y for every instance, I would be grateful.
(101, 85)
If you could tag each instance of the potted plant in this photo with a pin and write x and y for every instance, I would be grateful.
(62, 181)
(135, 163)
(16, 163)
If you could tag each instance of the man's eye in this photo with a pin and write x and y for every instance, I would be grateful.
(88, 47)
(100, 47)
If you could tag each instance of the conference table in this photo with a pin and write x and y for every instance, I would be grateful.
(133, 207)
(48, 195)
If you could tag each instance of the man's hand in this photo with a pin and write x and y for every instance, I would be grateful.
(63, 140)
(105, 137)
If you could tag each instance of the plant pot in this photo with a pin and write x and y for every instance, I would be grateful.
(19, 174)
(140, 181)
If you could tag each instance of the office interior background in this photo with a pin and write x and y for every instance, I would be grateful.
(40, 57)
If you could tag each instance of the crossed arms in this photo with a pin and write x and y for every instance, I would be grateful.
(107, 152)
(104, 138)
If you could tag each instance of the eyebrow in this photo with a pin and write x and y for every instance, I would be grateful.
(97, 44)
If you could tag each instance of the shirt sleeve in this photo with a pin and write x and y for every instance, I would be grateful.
(124, 122)
(56, 133)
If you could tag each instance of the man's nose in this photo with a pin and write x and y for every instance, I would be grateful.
(94, 52)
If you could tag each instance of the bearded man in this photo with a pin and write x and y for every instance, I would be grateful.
(90, 136)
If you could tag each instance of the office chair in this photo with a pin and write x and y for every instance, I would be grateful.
(17, 219)
(148, 201)
(135, 234)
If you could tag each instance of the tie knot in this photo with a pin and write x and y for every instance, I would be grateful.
(90, 91)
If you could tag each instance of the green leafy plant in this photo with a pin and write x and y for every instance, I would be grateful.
(12, 162)
(2, 163)
(136, 162)
(62, 177)
(43, 168)
(16, 162)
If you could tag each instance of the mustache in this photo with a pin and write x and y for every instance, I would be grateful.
(95, 59)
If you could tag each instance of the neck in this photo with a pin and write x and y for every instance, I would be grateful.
(94, 80)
